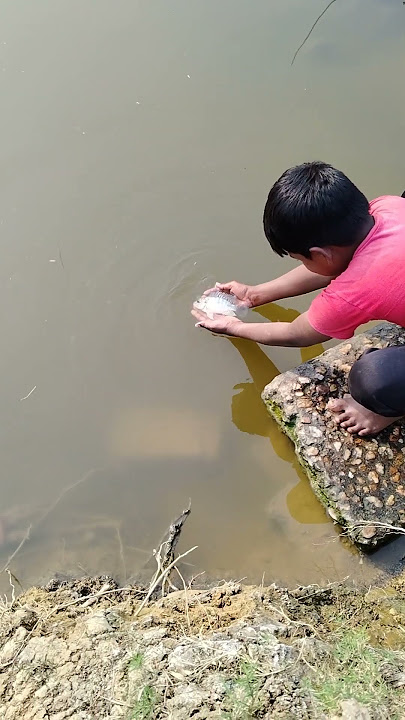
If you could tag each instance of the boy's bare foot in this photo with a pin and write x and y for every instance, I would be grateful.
(355, 418)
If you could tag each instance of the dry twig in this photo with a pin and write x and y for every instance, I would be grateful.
(11, 585)
(384, 526)
(163, 575)
(167, 545)
(185, 597)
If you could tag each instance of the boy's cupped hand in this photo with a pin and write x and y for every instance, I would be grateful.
(239, 290)
(220, 324)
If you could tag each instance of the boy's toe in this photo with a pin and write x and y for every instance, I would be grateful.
(336, 406)
(343, 418)
(350, 422)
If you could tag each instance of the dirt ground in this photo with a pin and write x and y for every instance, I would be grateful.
(83, 650)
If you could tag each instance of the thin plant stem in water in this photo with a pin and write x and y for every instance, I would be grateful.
(310, 32)
(30, 393)
(26, 536)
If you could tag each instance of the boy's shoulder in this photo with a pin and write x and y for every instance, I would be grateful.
(377, 257)
(388, 203)
(373, 285)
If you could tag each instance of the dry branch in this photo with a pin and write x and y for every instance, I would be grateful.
(162, 577)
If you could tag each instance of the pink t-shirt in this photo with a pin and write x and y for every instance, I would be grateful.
(373, 285)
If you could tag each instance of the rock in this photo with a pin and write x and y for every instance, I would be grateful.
(373, 500)
(148, 621)
(97, 623)
(11, 646)
(369, 531)
(358, 480)
(373, 477)
(333, 514)
(185, 658)
(24, 617)
(45, 651)
(187, 700)
(215, 684)
(352, 710)
(313, 649)
(154, 636)
(154, 655)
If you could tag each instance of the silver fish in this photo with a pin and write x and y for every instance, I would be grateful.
(220, 303)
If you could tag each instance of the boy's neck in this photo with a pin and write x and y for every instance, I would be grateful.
(366, 229)
(368, 226)
(344, 254)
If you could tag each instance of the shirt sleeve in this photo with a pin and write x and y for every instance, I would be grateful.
(329, 314)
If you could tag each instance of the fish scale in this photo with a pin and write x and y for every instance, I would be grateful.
(220, 303)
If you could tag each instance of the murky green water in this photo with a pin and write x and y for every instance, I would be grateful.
(139, 141)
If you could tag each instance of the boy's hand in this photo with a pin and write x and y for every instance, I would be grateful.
(299, 333)
(221, 324)
(242, 292)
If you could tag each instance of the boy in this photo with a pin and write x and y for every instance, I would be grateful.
(355, 251)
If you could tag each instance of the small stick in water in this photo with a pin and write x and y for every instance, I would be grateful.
(312, 28)
(30, 393)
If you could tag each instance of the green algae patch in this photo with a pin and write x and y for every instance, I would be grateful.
(360, 481)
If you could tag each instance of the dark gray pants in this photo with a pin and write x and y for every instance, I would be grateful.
(377, 381)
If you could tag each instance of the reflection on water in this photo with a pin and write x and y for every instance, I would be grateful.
(303, 506)
(299, 503)
(165, 432)
(250, 415)
(139, 159)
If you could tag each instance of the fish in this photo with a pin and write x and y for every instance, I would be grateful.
(220, 303)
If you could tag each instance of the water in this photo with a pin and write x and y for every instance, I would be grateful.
(139, 141)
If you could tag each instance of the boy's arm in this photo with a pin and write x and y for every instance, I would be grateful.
(298, 333)
(298, 281)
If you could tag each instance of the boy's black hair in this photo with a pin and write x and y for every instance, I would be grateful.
(313, 205)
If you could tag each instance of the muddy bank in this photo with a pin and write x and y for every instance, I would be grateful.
(360, 481)
(231, 651)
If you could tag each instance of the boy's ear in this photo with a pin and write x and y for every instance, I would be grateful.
(321, 253)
